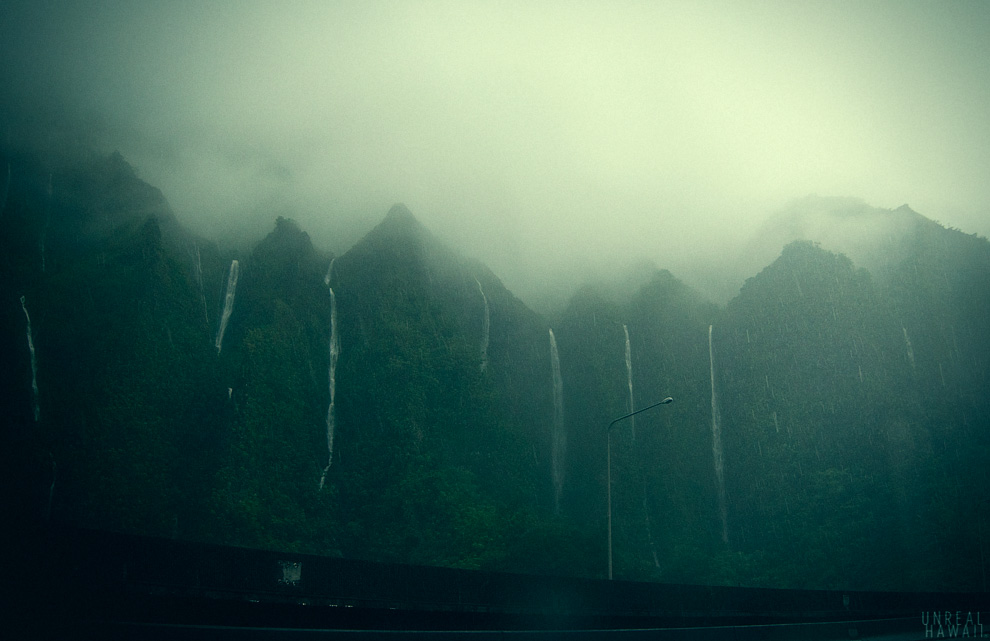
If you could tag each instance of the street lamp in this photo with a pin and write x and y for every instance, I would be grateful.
(608, 439)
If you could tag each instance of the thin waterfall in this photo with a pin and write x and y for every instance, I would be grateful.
(332, 376)
(558, 437)
(34, 364)
(910, 350)
(717, 446)
(326, 279)
(199, 281)
(486, 325)
(632, 419)
(625, 330)
(228, 303)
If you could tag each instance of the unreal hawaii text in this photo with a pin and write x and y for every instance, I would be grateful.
(946, 624)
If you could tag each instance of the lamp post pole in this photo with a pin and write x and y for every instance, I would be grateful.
(608, 481)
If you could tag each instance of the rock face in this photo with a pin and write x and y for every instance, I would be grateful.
(411, 396)
(852, 415)
(128, 390)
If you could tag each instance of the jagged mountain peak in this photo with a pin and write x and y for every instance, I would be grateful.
(398, 234)
(399, 221)
(284, 265)
(803, 268)
(664, 284)
(284, 255)
(802, 255)
(821, 217)
(871, 236)
(286, 239)
(399, 213)
(906, 210)
(402, 267)
(401, 240)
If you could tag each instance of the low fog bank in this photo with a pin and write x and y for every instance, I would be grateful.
(541, 259)
(557, 143)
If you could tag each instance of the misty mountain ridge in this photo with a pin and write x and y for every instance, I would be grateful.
(875, 238)
(398, 402)
(878, 239)
(244, 343)
(102, 199)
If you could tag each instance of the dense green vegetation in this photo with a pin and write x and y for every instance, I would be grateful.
(853, 410)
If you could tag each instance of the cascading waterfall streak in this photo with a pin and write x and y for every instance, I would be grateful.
(332, 380)
(486, 325)
(558, 437)
(34, 364)
(910, 350)
(717, 446)
(228, 303)
(199, 281)
(632, 409)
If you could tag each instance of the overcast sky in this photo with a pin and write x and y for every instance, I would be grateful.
(540, 137)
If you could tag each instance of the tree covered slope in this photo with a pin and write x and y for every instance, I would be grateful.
(397, 401)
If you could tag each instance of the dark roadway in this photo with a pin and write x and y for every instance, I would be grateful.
(69, 583)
